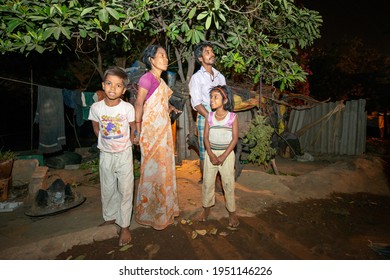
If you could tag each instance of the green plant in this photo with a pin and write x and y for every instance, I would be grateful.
(7, 155)
(259, 140)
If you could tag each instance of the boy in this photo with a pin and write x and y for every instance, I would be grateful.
(113, 124)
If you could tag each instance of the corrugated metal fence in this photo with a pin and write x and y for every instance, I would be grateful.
(331, 128)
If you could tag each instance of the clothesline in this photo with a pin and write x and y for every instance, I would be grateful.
(18, 81)
(84, 100)
(34, 84)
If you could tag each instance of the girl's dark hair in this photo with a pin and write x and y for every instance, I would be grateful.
(150, 52)
(198, 51)
(226, 94)
(119, 72)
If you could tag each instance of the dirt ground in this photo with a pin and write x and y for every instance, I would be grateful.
(331, 208)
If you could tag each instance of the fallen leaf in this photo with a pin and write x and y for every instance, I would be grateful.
(126, 247)
(81, 257)
(213, 231)
(183, 222)
(190, 201)
(201, 231)
(69, 258)
(152, 250)
(223, 233)
(112, 251)
(194, 234)
(281, 213)
(232, 228)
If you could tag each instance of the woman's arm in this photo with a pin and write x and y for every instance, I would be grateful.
(139, 108)
(133, 137)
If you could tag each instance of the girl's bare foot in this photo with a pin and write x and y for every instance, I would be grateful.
(111, 222)
(124, 236)
(202, 217)
(233, 220)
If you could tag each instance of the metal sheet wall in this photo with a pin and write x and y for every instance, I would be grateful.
(331, 128)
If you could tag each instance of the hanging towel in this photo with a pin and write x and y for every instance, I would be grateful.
(50, 116)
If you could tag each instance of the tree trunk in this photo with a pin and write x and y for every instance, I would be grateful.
(190, 72)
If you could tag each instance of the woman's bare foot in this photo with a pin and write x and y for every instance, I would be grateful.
(233, 220)
(111, 222)
(202, 217)
(124, 236)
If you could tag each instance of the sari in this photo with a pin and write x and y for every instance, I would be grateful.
(156, 199)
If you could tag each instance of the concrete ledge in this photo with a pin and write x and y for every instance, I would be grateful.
(50, 248)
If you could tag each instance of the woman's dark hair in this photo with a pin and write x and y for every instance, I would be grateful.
(150, 52)
(119, 72)
(199, 49)
(226, 94)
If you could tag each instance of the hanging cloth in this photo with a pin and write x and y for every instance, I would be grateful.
(87, 99)
(50, 116)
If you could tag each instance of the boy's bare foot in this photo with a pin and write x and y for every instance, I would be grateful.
(202, 217)
(105, 223)
(233, 220)
(124, 236)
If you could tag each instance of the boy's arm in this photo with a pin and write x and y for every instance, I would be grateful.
(96, 128)
(212, 156)
(233, 143)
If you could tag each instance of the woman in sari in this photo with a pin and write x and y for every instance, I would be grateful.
(156, 199)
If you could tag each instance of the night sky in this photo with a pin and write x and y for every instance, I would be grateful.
(346, 19)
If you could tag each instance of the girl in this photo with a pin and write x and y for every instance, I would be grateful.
(220, 138)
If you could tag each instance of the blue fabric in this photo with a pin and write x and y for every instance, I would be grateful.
(50, 116)
(70, 98)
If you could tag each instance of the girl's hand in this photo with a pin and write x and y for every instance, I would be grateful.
(214, 160)
(221, 159)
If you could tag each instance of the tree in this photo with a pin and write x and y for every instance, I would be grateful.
(256, 38)
(259, 38)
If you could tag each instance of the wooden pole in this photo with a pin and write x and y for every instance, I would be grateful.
(31, 112)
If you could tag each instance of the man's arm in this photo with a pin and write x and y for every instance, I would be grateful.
(202, 110)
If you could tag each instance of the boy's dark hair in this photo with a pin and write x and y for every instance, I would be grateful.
(199, 49)
(227, 94)
(150, 52)
(119, 72)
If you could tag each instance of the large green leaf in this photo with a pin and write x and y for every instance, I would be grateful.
(87, 11)
(202, 15)
(103, 15)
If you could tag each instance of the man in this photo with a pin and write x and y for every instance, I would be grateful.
(201, 83)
